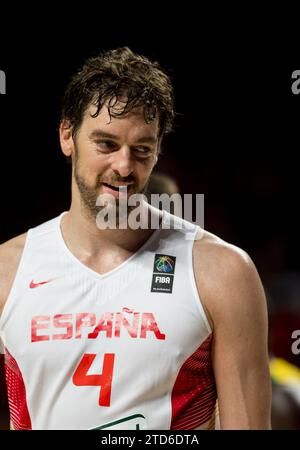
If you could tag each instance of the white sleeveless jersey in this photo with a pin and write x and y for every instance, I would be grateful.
(129, 349)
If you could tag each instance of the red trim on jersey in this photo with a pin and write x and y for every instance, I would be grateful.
(194, 393)
(16, 394)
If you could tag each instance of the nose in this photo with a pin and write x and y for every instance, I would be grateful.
(122, 161)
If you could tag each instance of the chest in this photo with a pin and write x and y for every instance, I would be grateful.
(105, 262)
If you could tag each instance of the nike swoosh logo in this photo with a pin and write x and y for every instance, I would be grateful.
(33, 285)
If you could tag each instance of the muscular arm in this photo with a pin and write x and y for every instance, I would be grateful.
(10, 254)
(4, 415)
(234, 298)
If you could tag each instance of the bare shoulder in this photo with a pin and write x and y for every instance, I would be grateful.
(10, 255)
(226, 276)
(218, 257)
(11, 251)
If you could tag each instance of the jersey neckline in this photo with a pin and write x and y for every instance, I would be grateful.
(125, 263)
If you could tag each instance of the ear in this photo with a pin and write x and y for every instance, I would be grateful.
(66, 138)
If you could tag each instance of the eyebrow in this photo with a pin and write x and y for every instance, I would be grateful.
(150, 139)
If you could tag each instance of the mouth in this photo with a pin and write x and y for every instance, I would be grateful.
(120, 188)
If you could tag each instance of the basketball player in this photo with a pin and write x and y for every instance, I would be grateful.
(128, 328)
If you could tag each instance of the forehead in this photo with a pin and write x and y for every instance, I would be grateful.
(131, 125)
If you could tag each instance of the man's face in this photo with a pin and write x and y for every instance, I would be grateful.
(112, 153)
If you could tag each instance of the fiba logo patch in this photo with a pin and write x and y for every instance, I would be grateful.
(164, 263)
(163, 273)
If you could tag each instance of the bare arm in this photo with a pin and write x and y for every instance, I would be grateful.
(4, 415)
(10, 255)
(233, 295)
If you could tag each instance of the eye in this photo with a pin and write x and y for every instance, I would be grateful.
(107, 146)
(143, 151)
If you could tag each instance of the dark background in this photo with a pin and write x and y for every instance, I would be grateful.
(236, 137)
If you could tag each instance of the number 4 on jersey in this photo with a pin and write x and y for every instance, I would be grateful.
(104, 380)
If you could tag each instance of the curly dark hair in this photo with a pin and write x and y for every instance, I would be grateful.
(120, 76)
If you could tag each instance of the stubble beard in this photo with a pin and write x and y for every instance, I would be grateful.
(90, 194)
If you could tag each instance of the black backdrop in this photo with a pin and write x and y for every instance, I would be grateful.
(235, 140)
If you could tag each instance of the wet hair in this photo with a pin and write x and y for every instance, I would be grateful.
(123, 81)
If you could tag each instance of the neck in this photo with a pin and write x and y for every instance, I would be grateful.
(80, 231)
